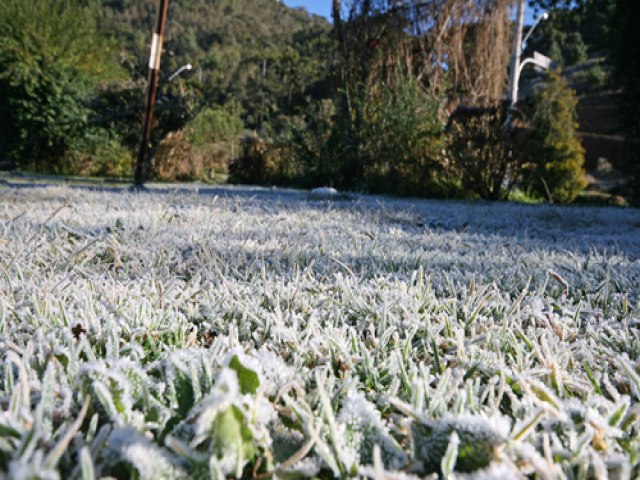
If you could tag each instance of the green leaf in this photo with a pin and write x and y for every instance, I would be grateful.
(619, 413)
(232, 437)
(9, 431)
(184, 393)
(248, 379)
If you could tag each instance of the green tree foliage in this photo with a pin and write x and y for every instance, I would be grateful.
(610, 28)
(59, 94)
(215, 125)
(267, 59)
(50, 57)
(397, 146)
(574, 30)
(399, 65)
(305, 148)
(98, 152)
(214, 136)
(554, 155)
(360, 105)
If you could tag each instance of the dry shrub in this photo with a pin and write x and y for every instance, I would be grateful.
(176, 159)
(385, 137)
(453, 46)
(205, 146)
(173, 160)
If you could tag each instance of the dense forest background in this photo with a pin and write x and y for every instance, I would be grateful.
(405, 98)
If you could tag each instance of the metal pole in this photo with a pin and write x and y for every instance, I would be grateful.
(514, 76)
(152, 86)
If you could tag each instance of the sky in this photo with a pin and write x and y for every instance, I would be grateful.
(320, 7)
(323, 7)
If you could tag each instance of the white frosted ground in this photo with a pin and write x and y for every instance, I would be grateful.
(451, 315)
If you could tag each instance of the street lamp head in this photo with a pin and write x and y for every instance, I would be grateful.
(544, 16)
(188, 66)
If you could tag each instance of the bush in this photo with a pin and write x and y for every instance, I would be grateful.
(302, 148)
(172, 160)
(207, 145)
(483, 153)
(563, 46)
(391, 140)
(44, 119)
(214, 135)
(256, 164)
(597, 77)
(215, 132)
(402, 141)
(99, 153)
(554, 157)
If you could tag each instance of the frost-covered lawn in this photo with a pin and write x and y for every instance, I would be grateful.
(195, 336)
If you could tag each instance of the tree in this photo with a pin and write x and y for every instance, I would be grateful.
(554, 155)
(609, 27)
(260, 53)
(394, 58)
(50, 57)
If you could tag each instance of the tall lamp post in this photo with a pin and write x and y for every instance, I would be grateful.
(515, 57)
(152, 86)
(519, 44)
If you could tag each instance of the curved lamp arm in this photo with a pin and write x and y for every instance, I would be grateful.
(188, 66)
(542, 17)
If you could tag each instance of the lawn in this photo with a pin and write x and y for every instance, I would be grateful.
(256, 332)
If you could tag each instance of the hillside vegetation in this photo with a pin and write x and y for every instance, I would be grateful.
(256, 52)
(401, 98)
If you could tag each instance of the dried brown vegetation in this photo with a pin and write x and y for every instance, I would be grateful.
(458, 47)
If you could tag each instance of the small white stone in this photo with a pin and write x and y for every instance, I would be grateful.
(324, 191)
